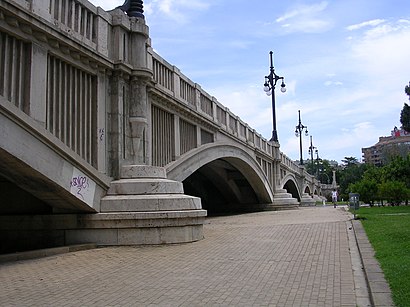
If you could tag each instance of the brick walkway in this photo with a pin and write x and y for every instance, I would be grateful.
(282, 258)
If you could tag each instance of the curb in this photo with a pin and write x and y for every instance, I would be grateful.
(379, 290)
(45, 252)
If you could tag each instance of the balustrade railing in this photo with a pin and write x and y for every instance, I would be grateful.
(193, 96)
(75, 17)
(15, 71)
(187, 136)
(72, 107)
(163, 140)
(206, 105)
(163, 75)
(188, 92)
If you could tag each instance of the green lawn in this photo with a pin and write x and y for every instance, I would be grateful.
(388, 229)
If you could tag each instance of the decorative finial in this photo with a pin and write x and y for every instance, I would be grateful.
(133, 8)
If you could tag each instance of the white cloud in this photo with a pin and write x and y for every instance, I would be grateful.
(178, 10)
(304, 18)
(303, 11)
(330, 83)
(374, 22)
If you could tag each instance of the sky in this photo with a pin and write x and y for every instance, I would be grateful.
(345, 64)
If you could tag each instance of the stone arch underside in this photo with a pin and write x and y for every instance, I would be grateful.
(226, 178)
(291, 187)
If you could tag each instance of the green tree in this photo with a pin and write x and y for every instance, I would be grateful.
(367, 188)
(395, 192)
(323, 171)
(405, 112)
(398, 170)
(352, 171)
(349, 161)
(405, 117)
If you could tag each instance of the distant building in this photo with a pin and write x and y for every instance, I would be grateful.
(398, 144)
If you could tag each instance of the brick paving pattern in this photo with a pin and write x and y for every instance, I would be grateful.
(282, 258)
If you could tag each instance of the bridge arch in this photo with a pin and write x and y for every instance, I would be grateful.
(232, 171)
(291, 186)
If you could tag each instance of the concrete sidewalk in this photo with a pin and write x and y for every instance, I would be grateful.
(305, 257)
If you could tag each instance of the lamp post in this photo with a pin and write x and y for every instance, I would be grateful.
(298, 132)
(318, 162)
(269, 88)
(311, 149)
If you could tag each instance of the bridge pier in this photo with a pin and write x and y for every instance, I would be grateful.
(143, 207)
(307, 200)
(283, 200)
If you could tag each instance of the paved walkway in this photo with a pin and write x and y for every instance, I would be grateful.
(278, 258)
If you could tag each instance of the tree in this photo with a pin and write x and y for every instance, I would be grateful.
(367, 188)
(405, 113)
(395, 192)
(352, 172)
(398, 170)
(405, 117)
(323, 171)
(349, 161)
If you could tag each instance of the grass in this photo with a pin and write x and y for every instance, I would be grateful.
(388, 230)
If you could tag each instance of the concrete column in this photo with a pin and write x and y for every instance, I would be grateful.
(102, 93)
(177, 135)
(177, 81)
(138, 120)
(42, 8)
(138, 43)
(334, 184)
(38, 84)
(116, 129)
(197, 97)
(102, 33)
(198, 136)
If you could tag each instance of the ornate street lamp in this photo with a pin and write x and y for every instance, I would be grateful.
(269, 88)
(311, 150)
(133, 8)
(318, 162)
(298, 133)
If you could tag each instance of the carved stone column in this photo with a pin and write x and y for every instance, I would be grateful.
(138, 120)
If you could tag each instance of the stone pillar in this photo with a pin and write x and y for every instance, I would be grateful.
(276, 167)
(138, 121)
(138, 100)
(334, 184)
(38, 84)
(116, 130)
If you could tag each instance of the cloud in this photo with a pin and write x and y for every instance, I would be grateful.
(179, 11)
(303, 11)
(330, 83)
(372, 23)
(304, 18)
(383, 49)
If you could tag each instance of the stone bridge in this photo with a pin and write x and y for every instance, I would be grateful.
(102, 140)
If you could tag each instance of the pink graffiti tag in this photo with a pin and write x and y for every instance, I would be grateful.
(80, 183)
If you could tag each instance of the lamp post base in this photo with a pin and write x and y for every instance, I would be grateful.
(274, 136)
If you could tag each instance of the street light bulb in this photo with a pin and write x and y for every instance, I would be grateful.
(283, 87)
(297, 133)
(266, 87)
(269, 93)
(306, 133)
